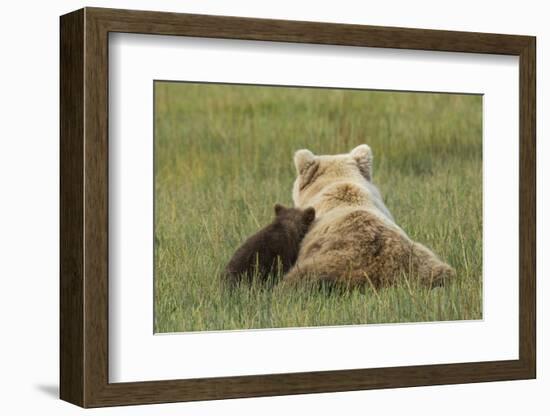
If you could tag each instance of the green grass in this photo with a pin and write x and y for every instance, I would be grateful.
(223, 157)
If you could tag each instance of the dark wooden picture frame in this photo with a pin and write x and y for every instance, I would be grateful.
(84, 207)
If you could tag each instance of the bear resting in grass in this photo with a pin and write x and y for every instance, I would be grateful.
(355, 240)
(272, 250)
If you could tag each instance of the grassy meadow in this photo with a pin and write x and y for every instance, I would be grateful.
(223, 157)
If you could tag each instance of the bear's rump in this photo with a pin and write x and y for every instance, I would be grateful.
(356, 247)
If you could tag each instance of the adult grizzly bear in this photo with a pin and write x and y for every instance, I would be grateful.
(355, 240)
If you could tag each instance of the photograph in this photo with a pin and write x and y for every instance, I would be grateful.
(295, 207)
(274, 204)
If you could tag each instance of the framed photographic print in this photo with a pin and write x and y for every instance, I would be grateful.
(255, 207)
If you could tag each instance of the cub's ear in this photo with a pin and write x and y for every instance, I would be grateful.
(362, 155)
(309, 215)
(302, 159)
(278, 208)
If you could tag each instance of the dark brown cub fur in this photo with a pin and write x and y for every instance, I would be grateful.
(273, 249)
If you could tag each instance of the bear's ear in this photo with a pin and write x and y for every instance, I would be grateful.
(309, 215)
(278, 208)
(303, 159)
(362, 155)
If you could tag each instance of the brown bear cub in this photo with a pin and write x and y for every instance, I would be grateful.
(272, 250)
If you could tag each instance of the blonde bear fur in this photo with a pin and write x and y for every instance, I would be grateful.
(355, 240)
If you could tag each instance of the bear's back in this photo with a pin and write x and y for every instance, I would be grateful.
(261, 252)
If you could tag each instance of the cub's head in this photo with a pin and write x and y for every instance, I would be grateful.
(314, 172)
(299, 219)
